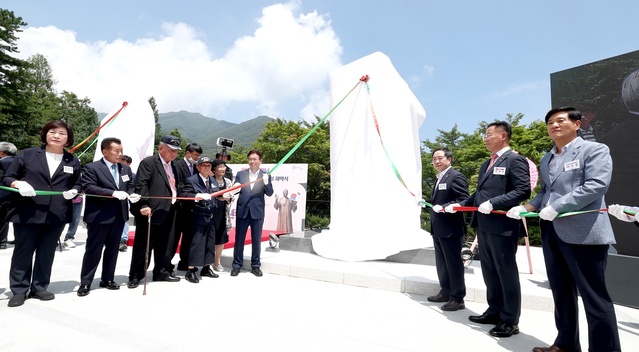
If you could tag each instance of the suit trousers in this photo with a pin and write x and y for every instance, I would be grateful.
(241, 227)
(183, 226)
(202, 251)
(576, 268)
(501, 275)
(101, 236)
(161, 236)
(450, 267)
(41, 239)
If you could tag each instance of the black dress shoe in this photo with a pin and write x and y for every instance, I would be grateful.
(235, 272)
(485, 319)
(110, 285)
(256, 271)
(3, 245)
(11, 242)
(166, 277)
(191, 276)
(43, 295)
(438, 298)
(133, 283)
(504, 330)
(552, 348)
(208, 272)
(453, 306)
(17, 300)
(84, 290)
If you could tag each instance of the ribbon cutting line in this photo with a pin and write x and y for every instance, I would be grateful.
(214, 194)
(532, 214)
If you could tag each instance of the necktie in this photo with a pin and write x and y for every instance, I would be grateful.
(492, 161)
(191, 169)
(114, 172)
(206, 184)
(169, 174)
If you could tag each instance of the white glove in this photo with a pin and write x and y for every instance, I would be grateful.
(134, 198)
(513, 213)
(120, 195)
(25, 189)
(203, 196)
(485, 207)
(548, 213)
(449, 208)
(421, 203)
(226, 195)
(70, 194)
(637, 217)
(438, 208)
(265, 180)
(616, 210)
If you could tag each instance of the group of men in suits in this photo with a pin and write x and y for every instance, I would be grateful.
(575, 176)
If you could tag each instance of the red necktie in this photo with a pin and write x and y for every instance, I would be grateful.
(492, 161)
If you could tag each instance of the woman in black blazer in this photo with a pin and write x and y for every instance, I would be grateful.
(38, 220)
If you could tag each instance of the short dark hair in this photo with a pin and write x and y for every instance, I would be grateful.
(127, 159)
(447, 153)
(194, 147)
(573, 113)
(254, 151)
(57, 124)
(504, 125)
(223, 153)
(106, 143)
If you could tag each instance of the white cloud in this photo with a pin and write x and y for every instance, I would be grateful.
(284, 63)
(518, 89)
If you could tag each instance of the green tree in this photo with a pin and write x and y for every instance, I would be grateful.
(84, 119)
(12, 103)
(156, 116)
(280, 136)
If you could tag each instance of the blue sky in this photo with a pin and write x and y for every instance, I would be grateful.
(466, 61)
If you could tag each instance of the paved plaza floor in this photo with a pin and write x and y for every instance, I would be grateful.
(302, 303)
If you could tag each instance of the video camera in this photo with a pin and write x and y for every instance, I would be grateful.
(225, 143)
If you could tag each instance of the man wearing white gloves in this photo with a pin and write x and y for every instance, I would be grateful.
(250, 212)
(617, 211)
(448, 231)
(504, 181)
(575, 176)
(105, 216)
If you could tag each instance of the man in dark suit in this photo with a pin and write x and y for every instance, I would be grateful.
(157, 179)
(575, 176)
(186, 167)
(504, 182)
(250, 212)
(8, 152)
(448, 231)
(105, 217)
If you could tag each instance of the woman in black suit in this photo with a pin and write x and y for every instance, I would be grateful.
(38, 220)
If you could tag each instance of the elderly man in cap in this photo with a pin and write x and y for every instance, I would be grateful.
(202, 250)
(156, 182)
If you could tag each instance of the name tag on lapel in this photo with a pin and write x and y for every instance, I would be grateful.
(499, 171)
(125, 178)
(441, 187)
(67, 170)
(572, 165)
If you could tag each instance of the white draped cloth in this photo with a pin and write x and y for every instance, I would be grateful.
(373, 215)
(134, 126)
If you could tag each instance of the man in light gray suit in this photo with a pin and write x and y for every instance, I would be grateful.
(575, 176)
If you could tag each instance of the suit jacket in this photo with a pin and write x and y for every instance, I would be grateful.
(97, 179)
(452, 188)
(182, 168)
(506, 185)
(151, 180)
(193, 185)
(582, 181)
(31, 166)
(5, 196)
(252, 200)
